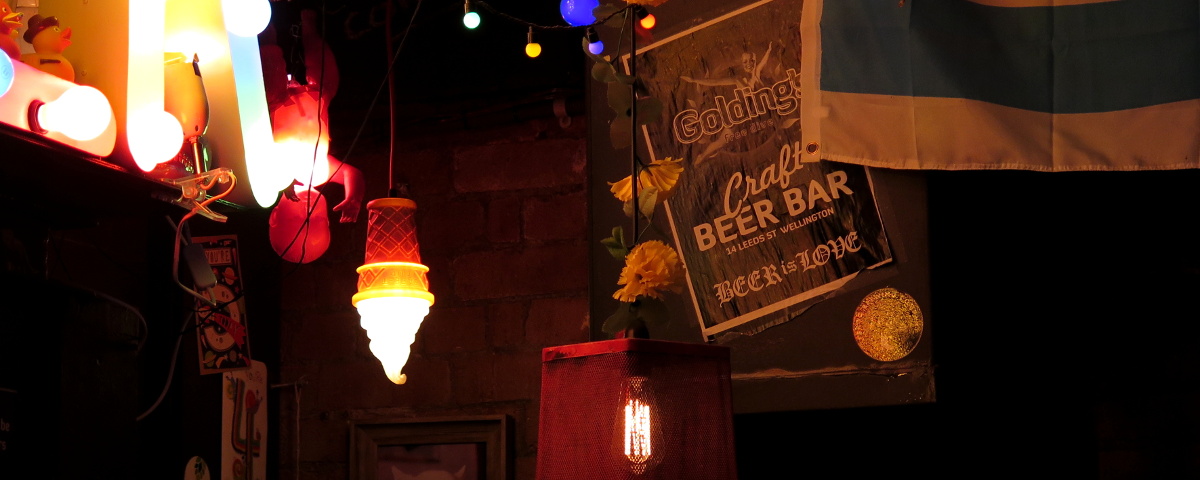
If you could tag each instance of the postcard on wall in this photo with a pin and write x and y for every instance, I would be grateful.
(762, 234)
(221, 328)
(244, 423)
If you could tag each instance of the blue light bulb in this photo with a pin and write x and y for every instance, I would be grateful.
(578, 12)
(596, 47)
(6, 74)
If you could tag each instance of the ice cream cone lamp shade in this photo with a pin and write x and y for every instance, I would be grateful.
(393, 293)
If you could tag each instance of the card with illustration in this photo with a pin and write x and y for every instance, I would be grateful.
(221, 326)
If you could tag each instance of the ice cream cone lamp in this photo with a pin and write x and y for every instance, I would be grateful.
(393, 293)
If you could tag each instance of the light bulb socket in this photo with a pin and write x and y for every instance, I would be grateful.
(592, 36)
(640, 11)
(529, 36)
(35, 126)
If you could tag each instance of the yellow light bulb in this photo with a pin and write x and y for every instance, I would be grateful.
(533, 49)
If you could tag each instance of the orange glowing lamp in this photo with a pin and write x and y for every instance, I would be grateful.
(124, 48)
(393, 293)
(636, 431)
(302, 138)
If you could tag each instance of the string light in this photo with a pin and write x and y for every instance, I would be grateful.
(532, 49)
(645, 18)
(470, 18)
(578, 13)
(594, 44)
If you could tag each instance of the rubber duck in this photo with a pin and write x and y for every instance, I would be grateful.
(10, 22)
(49, 40)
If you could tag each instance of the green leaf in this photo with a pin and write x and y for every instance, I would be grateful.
(624, 78)
(619, 233)
(619, 132)
(603, 11)
(649, 110)
(602, 70)
(647, 199)
(620, 99)
(615, 247)
(619, 320)
(653, 312)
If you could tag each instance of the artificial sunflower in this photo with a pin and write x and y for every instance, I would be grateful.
(650, 268)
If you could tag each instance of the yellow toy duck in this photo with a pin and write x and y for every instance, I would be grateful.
(10, 21)
(48, 40)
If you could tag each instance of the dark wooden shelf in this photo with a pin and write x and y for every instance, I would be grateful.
(47, 182)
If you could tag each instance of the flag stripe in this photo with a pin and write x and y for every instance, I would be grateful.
(955, 134)
(1094, 57)
(1036, 3)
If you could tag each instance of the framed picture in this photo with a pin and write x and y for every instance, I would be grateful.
(459, 448)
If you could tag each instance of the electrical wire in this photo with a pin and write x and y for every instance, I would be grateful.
(387, 81)
(171, 368)
(362, 126)
(182, 222)
(527, 23)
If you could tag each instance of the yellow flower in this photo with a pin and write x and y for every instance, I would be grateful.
(661, 175)
(650, 268)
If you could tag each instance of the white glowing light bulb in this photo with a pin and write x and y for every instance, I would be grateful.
(246, 18)
(471, 20)
(391, 324)
(154, 137)
(81, 113)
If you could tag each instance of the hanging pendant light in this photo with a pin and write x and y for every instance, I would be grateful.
(393, 293)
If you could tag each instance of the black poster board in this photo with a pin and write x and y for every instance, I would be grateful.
(801, 350)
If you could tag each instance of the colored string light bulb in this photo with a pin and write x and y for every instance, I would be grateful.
(470, 19)
(595, 46)
(7, 72)
(532, 49)
(578, 13)
(645, 18)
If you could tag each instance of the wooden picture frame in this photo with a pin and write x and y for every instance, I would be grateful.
(486, 440)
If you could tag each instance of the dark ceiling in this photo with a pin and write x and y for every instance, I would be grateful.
(444, 70)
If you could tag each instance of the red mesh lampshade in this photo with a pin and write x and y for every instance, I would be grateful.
(635, 409)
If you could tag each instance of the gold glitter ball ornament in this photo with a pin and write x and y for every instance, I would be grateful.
(888, 324)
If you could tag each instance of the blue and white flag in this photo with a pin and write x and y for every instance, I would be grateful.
(1043, 85)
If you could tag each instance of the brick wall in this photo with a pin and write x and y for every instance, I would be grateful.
(502, 222)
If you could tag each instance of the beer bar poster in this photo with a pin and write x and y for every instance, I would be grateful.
(763, 234)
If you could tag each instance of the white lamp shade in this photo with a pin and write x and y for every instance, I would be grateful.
(391, 324)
